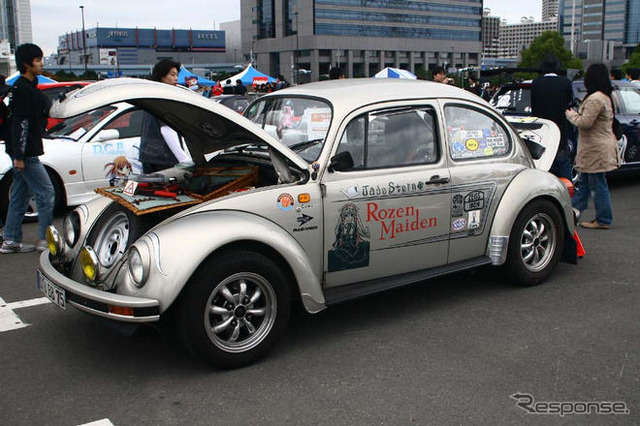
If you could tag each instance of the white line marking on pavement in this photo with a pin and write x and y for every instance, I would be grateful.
(9, 320)
(103, 422)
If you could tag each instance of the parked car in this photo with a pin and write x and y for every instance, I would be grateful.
(238, 103)
(514, 99)
(322, 193)
(80, 154)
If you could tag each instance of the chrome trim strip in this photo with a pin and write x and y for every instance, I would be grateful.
(115, 317)
(155, 242)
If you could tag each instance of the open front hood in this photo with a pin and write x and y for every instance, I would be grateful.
(206, 126)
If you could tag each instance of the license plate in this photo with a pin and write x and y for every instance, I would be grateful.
(54, 293)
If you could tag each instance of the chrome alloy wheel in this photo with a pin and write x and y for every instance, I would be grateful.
(240, 312)
(538, 242)
(112, 240)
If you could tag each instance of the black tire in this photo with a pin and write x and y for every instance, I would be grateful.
(31, 215)
(113, 233)
(209, 318)
(534, 252)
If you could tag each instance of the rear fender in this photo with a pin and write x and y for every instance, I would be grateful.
(527, 186)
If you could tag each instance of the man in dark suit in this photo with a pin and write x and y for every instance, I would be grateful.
(551, 96)
(228, 89)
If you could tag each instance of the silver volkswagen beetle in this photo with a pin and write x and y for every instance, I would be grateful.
(319, 194)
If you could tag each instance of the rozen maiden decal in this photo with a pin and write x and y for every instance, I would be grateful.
(351, 247)
(394, 221)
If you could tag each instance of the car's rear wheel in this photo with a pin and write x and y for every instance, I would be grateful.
(115, 230)
(234, 309)
(536, 243)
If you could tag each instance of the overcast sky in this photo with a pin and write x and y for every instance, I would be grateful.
(53, 18)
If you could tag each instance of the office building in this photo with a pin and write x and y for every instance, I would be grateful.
(140, 46)
(490, 35)
(516, 37)
(15, 22)
(549, 10)
(599, 30)
(294, 37)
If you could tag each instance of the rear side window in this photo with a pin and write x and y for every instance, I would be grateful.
(472, 134)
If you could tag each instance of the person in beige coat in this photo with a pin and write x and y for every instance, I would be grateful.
(597, 146)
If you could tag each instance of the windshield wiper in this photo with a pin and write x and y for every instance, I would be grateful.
(245, 147)
(302, 145)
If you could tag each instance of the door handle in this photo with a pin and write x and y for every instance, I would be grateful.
(437, 180)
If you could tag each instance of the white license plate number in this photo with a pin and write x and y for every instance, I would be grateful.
(54, 293)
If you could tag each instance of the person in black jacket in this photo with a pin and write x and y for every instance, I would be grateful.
(29, 110)
(160, 145)
(551, 96)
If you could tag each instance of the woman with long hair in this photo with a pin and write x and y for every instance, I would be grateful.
(597, 146)
(160, 145)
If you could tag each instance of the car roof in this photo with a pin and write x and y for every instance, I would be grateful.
(347, 95)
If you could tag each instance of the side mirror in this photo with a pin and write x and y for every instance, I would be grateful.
(107, 135)
(341, 162)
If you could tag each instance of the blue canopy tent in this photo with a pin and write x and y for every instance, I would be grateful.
(248, 74)
(41, 79)
(395, 73)
(184, 74)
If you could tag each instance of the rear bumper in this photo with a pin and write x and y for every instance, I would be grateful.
(99, 302)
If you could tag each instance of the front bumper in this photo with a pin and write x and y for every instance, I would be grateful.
(99, 302)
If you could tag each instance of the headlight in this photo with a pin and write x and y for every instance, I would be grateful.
(54, 242)
(89, 263)
(138, 267)
(71, 228)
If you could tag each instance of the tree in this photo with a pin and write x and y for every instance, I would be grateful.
(549, 42)
(634, 60)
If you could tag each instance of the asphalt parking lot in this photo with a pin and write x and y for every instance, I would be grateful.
(450, 351)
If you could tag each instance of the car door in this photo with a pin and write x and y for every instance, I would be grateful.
(480, 148)
(112, 152)
(628, 113)
(389, 212)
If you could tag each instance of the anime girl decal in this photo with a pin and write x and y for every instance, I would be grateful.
(351, 247)
(118, 171)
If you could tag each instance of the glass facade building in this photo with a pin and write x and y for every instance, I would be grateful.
(360, 36)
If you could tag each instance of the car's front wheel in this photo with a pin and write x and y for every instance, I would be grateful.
(536, 243)
(234, 309)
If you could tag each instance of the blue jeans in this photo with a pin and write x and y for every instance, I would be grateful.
(561, 166)
(594, 184)
(32, 179)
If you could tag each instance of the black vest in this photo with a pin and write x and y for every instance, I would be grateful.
(153, 148)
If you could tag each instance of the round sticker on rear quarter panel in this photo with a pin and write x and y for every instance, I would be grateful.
(285, 202)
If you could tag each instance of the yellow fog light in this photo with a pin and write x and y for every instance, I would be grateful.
(89, 263)
(54, 241)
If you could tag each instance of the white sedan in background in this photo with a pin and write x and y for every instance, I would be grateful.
(82, 153)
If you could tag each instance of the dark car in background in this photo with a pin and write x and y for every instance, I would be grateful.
(515, 99)
(238, 103)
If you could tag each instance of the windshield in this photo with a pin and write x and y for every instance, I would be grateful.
(300, 123)
(75, 127)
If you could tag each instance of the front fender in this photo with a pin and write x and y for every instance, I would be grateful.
(525, 187)
(179, 247)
